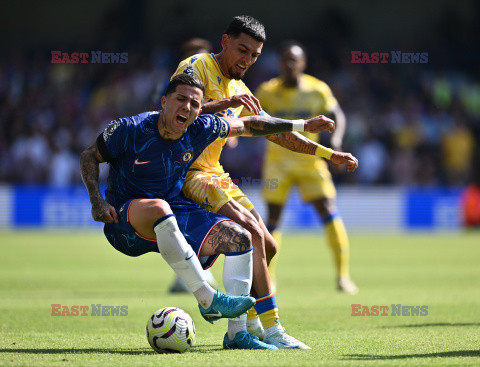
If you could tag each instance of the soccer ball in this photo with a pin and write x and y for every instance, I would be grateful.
(171, 330)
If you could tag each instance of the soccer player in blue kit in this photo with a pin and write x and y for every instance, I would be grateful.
(144, 211)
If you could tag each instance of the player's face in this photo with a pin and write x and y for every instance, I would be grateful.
(292, 63)
(239, 54)
(181, 108)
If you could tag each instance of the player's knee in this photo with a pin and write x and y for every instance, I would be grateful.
(244, 239)
(271, 247)
(257, 235)
(325, 206)
(159, 208)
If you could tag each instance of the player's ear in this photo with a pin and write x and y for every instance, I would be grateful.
(225, 41)
(164, 101)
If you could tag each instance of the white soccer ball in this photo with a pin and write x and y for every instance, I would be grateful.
(171, 330)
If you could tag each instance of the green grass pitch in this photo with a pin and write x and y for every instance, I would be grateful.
(442, 271)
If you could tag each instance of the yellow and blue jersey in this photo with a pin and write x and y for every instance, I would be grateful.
(143, 164)
(217, 86)
(311, 98)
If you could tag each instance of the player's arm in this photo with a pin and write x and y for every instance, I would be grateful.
(298, 143)
(247, 100)
(267, 125)
(90, 160)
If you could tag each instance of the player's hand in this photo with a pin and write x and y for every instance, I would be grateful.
(104, 212)
(345, 158)
(318, 124)
(250, 102)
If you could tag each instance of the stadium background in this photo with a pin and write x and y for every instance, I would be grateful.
(414, 127)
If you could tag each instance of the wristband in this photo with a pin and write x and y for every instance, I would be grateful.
(324, 152)
(298, 125)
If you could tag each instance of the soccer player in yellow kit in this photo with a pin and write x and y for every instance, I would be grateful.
(211, 187)
(295, 95)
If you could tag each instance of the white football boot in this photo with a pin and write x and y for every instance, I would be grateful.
(284, 341)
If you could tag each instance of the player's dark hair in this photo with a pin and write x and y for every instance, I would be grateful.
(248, 25)
(194, 46)
(285, 46)
(184, 79)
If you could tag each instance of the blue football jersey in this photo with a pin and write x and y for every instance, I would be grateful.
(143, 164)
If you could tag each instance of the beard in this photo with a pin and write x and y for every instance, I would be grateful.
(236, 75)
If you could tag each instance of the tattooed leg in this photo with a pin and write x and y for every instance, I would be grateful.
(234, 241)
(226, 237)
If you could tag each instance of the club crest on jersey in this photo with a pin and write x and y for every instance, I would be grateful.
(186, 156)
(110, 129)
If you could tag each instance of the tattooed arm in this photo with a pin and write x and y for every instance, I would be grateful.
(267, 125)
(89, 165)
(295, 142)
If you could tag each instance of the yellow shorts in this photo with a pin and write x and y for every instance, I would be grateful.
(213, 191)
(313, 180)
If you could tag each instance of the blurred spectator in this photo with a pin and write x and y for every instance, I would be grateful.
(374, 157)
(410, 124)
(458, 146)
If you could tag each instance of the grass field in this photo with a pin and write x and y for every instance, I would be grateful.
(38, 269)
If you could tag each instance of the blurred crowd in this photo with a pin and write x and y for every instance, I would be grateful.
(409, 124)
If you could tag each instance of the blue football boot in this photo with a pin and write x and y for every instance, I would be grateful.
(224, 306)
(244, 340)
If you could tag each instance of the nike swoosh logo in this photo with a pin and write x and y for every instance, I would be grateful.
(290, 346)
(138, 162)
(188, 258)
(218, 314)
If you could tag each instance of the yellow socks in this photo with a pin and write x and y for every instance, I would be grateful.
(267, 310)
(338, 241)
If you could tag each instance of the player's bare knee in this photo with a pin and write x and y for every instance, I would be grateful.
(256, 232)
(243, 239)
(271, 246)
(159, 208)
(325, 206)
(227, 237)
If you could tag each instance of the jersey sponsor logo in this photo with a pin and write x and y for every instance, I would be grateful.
(110, 129)
(223, 130)
(141, 162)
(186, 156)
(193, 59)
(188, 70)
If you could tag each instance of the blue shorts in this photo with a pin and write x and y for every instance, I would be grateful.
(194, 222)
